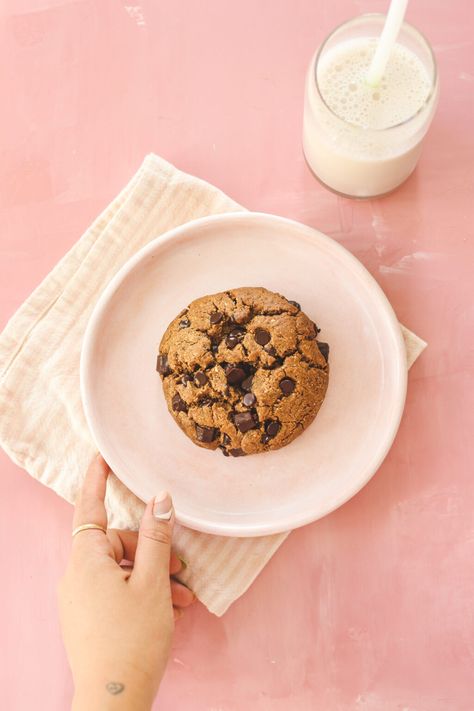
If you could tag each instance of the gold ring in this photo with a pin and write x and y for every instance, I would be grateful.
(88, 527)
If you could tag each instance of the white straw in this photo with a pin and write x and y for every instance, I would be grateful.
(391, 28)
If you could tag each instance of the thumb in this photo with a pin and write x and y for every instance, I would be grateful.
(152, 558)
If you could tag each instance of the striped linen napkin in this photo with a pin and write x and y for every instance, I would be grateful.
(42, 424)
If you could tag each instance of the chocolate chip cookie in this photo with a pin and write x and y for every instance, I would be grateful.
(243, 371)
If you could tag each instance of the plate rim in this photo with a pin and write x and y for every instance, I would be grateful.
(186, 230)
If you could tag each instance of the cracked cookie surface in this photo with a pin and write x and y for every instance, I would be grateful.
(243, 371)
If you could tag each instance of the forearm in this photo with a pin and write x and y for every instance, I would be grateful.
(127, 691)
(102, 700)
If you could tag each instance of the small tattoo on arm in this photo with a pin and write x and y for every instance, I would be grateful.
(115, 687)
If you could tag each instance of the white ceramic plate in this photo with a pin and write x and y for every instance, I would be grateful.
(263, 493)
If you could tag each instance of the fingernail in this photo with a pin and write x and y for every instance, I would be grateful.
(184, 564)
(163, 506)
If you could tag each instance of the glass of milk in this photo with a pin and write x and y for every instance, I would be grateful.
(362, 141)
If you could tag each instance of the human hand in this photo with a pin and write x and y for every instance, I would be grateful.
(117, 623)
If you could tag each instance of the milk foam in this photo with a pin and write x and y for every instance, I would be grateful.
(341, 78)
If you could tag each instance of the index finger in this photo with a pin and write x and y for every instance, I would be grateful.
(90, 507)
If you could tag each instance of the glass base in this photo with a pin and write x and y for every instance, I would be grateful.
(345, 195)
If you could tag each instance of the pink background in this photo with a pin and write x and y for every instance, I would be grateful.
(370, 609)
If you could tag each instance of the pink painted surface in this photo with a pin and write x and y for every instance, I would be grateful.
(370, 609)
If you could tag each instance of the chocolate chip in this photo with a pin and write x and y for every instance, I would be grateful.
(313, 335)
(224, 450)
(234, 337)
(231, 342)
(225, 439)
(185, 323)
(205, 401)
(200, 379)
(287, 385)
(265, 439)
(249, 399)
(215, 347)
(272, 427)
(244, 421)
(234, 375)
(270, 350)
(247, 383)
(216, 317)
(186, 378)
(295, 304)
(237, 452)
(324, 350)
(261, 336)
(205, 434)
(178, 403)
(162, 365)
